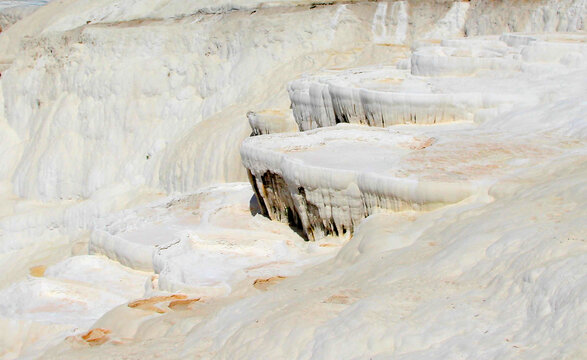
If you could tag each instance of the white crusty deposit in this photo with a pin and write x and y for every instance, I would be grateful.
(204, 243)
(510, 52)
(61, 300)
(381, 98)
(466, 199)
(386, 96)
(327, 181)
(271, 121)
(11, 11)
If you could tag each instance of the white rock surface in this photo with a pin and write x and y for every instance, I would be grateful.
(12, 11)
(111, 110)
(189, 98)
(326, 181)
(271, 121)
(205, 243)
(498, 280)
(390, 22)
(386, 97)
(524, 53)
(63, 300)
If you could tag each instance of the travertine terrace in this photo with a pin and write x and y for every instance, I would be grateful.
(326, 182)
(289, 179)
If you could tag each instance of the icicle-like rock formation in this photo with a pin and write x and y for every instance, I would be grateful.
(385, 98)
(114, 112)
(390, 96)
(327, 180)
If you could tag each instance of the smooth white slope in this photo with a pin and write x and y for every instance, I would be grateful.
(65, 299)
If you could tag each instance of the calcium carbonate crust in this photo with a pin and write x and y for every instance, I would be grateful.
(111, 110)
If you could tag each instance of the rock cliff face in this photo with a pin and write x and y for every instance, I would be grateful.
(432, 151)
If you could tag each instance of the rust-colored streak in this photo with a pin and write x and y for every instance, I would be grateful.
(96, 336)
(263, 284)
(150, 303)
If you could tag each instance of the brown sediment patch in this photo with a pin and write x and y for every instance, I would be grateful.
(394, 45)
(38, 271)
(337, 299)
(181, 305)
(263, 284)
(96, 336)
(422, 144)
(430, 41)
(328, 245)
(150, 303)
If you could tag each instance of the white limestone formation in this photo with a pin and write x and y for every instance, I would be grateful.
(523, 53)
(326, 181)
(204, 243)
(271, 121)
(11, 11)
(57, 301)
(439, 167)
(390, 22)
(452, 24)
(190, 87)
(386, 97)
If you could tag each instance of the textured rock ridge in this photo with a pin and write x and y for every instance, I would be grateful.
(328, 101)
(326, 181)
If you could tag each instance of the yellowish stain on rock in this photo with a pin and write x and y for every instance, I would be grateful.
(38, 271)
(96, 336)
(263, 284)
(150, 304)
(328, 245)
(182, 305)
